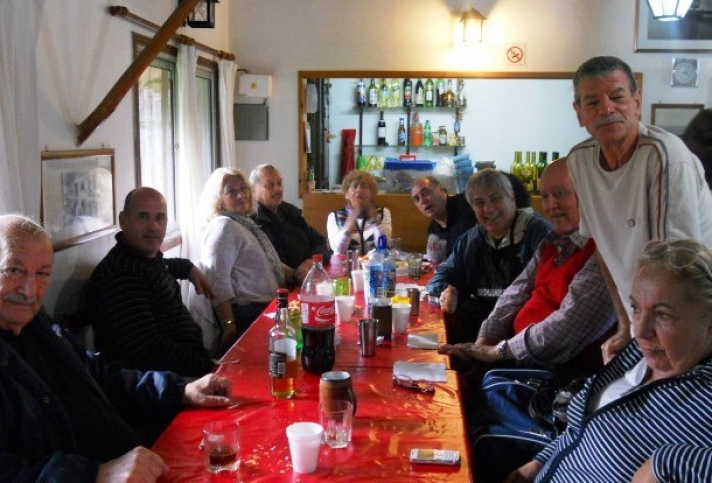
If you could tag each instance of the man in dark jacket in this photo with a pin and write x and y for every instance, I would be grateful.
(137, 312)
(293, 238)
(64, 416)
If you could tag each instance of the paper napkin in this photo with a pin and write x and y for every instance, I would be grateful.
(423, 341)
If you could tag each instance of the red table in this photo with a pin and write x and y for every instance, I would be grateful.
(389, 422)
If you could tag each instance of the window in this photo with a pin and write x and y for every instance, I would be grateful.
(155, 132)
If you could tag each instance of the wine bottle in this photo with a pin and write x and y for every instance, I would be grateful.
(440, 92)
(429, 93)
(381, 131)
(396, 93)
(419, 94)
(384, 94)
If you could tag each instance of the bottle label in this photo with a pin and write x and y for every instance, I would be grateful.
(319, 314)
(382, 277)
(277, 364)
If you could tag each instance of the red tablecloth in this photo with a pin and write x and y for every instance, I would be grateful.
(389, 422)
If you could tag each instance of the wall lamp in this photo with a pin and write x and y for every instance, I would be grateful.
(472, 22)
(669, 10)
(203, 16)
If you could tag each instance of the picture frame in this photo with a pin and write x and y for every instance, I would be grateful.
(693, 33)
(674, 118)
(77, 195)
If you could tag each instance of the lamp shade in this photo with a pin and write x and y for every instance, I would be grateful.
(669, 10)
(472, 22)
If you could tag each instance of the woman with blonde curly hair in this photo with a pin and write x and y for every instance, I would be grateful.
(237, 257)
(361, 222)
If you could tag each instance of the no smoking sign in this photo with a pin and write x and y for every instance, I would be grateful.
(516, 54)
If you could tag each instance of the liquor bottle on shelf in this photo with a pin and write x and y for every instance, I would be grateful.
(384, 94)
(419, 97)
(440, 92)
(361, 93)
(401, 132)
(429, 93)
(318, 319)
(372, 94)
(416, 131)
(517, 165)
(428, 134)
(449, 96)
(527, 171)
(311, 180)
(381, 131)
(461, 98)
(396, 94)
(407, 92)
(282, 356)
(540, 167)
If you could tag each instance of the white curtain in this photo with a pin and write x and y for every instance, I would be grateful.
(19, 119)
(191, 168)
(227, 72)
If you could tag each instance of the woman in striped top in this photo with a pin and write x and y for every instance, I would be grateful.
(645, 417)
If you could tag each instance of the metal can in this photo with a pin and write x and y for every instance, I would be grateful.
(442, 136)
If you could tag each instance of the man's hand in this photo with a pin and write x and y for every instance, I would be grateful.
(140, 465)
(201, 283)
(614, 344)
(471, 351)
(448, 299)
(210, 391)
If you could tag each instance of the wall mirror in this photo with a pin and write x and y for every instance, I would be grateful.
(504, 112)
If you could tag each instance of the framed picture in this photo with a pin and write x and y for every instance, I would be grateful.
(77, 195)
(691, 34)
(674, 118)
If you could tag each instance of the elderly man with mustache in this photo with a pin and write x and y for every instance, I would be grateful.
(635, 182)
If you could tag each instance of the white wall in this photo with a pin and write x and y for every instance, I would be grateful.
(82, 52)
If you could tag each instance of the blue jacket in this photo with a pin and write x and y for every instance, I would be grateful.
(37, 437)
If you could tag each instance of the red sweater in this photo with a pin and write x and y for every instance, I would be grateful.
(551, 284)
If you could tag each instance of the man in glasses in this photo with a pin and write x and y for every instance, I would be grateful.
(66, 415)
(635, 182)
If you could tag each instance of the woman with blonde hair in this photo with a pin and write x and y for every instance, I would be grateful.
(237, 257)
(361, 222)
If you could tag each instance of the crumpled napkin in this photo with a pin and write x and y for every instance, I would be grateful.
(420, 372)
(423, 341)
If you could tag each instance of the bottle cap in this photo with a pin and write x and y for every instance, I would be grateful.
(382, 242)
(318, 258)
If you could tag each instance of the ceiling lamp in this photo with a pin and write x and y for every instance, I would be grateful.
(669, 10)
(472, 23)
(203, 15)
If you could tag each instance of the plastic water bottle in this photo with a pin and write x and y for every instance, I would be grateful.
(382, 271)
(318, 319)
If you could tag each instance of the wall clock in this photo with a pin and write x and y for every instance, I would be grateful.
(684, 72)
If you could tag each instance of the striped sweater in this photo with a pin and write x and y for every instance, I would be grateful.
(669, 419)
(138, 315)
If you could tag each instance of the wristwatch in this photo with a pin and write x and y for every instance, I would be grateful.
(503, 352)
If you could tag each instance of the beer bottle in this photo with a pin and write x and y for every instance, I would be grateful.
(401, 132)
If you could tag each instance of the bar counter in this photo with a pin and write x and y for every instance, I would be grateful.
(389, 422)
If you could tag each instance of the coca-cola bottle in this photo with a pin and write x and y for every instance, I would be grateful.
(318, 319)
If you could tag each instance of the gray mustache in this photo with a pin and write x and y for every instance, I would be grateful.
(20, 299)
(611, 118)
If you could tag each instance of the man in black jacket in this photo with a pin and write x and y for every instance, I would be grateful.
(293, 238)
(64, 416)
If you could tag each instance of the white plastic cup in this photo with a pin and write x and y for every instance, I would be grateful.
(304, 443)
(357, 280)
(344, 307)
(400, 318)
